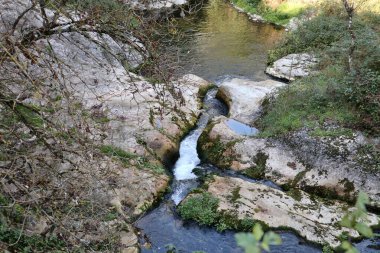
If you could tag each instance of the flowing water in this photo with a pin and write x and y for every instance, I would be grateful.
(219, 43)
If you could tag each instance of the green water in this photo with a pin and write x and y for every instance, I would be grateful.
(219, 41)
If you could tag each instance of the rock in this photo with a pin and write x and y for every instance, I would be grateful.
(253, 17)
(154, 4)
(293, 24)
(316, 221)
(292, 66)
(328, 167)
(85, 78)
(244, 97)
(129, 241)
(334, 167)
(258, 158)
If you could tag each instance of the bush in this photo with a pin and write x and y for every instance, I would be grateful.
(335, 94)
(201, 208)
(314, 36)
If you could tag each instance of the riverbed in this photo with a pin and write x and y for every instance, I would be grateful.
(219, 43)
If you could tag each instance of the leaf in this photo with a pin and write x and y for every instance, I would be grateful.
(362, 200)
(364, 230)
(258, 232)
(349, 248)
(248, 242)
(347, 221)
(272, 238)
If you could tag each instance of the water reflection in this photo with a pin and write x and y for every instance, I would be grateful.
(220, 40)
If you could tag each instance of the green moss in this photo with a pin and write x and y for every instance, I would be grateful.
(30, 116)
(126, 158)
(295, 193)
(235, 194)
(204, 89)
(203, 208)
(215, 151)
(257, 171)
(349, 186)
(298, 177)
(119, 153)
(318, 132)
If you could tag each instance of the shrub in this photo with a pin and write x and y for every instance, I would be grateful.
(201, 208)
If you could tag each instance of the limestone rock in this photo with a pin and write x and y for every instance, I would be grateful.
(314, 220)
(244, 97)
(292, 66)
(155, 4)
(300, 160)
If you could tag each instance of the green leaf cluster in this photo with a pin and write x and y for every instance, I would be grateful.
(257, 240)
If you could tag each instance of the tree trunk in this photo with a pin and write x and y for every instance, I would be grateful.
(350, 12)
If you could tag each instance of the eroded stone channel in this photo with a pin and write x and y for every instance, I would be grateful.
(221, 44)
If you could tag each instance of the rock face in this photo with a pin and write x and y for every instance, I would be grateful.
(331, 166)
(314, 220)
(84, 81)
(244, 97)
(154, 4)
(139, 120)
(292, 66)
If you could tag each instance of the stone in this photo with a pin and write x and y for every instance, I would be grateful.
(244, 97)
(316, 221)
(293, 66)
(330, 167)
(155, 4)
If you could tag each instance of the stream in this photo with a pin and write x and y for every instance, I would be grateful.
(220, 43)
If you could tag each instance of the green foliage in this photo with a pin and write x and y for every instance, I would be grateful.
(126, 158)
(327, 249)
(256, 241)
(283, 13)
(348, 98)
(25, 243)
(280, 15)
(314, 35)
(309, 102)
(356, 220)
(29, 115)
(318, 132)
(201, 208)
(258, 171)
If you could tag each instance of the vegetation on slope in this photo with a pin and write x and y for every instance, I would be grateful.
(336, 95)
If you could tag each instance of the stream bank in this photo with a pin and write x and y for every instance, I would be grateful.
(202, 55)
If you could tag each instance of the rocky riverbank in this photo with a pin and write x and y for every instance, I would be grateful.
(111, 131)
(320, 170)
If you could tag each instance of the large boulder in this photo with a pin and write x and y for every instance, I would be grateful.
(244, 97)
(293, 66)
(330, 167)
(155, 4)
(317, 221)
